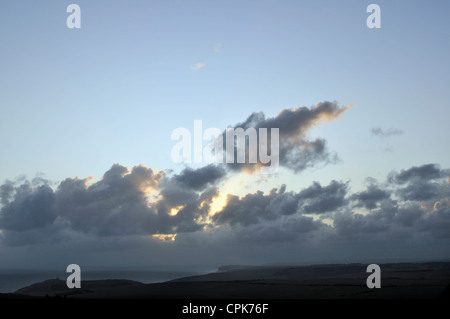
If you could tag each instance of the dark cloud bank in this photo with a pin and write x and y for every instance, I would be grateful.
(113, 220)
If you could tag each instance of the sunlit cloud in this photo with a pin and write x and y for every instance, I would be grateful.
(165, 237)
(218, 204)
(174, 210)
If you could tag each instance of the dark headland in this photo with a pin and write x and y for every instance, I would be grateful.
(334, 281)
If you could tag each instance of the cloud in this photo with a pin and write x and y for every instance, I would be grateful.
(393, 222)
(29, 208)
(187, 197)
(198, 179)
(198, 66)
(296, 150)
(217, 47)
(122, 203)
(247, 210)
(114, 205)
(378, 131)
(253, 208)
(318, 200)
(422, 173)
(289, 230)
(438, 223)
(419, 191)
(419, 183)
(142, 202)
(6, 192)
(127, 206)
(370, 197)
(122, 211)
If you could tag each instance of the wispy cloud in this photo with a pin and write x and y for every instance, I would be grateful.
(378, 131)
(218, 47)
(198, 66)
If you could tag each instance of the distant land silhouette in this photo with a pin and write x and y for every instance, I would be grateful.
(332, 281)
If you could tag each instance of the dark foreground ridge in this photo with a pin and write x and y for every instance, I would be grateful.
(338, 281)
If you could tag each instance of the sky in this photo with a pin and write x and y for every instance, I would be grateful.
(86, 117)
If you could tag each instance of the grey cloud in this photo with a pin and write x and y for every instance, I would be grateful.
(419, 191)
(318, 200)
(296, 151)
(392, 220)
(419, 183)
(29, 207)
(253, 208)
(193, 210)
(387, 220)
(114, 205)
(288, 230)
(59, 231)
(138, 202)
(271, 217)
(200, 178)
(182, 193)
(378, 131)
(300, 155)
(296, 122)
(408, 216)
(370, 197)
(123, 203)
(283, 203)
(349, 224)
(247, 210)
(6, 192)
(423, 173)
(437, 223)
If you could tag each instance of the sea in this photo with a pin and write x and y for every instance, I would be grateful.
(13, 279)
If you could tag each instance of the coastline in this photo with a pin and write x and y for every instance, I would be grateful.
(335, 281)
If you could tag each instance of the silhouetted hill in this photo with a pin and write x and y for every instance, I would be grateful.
(445, 294)
(347, 281)
(57, 287)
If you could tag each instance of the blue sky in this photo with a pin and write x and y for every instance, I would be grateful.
(75, 101)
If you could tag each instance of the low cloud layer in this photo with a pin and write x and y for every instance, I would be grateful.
(124, 202)
(411, 207)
